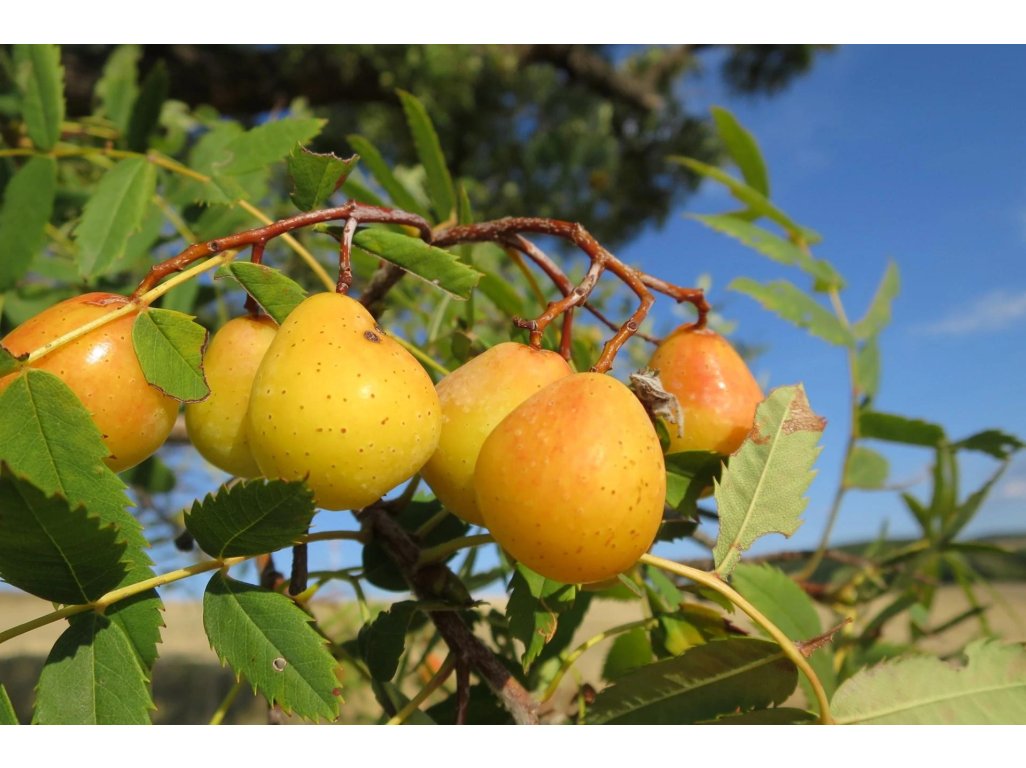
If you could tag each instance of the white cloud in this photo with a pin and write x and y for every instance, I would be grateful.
(1014, 488)
(995, 311)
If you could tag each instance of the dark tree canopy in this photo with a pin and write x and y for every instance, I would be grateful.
(570, 131)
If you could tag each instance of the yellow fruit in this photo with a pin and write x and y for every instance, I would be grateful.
(102, 370)
(717, 392)
(217, 425)
(474, 398)
(338, 402)
(572, 482)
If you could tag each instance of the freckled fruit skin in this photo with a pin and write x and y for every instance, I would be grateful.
(338, 402)
(101, 368)
(572, 483)
(714, 386)
(475, 398)
(217, 425)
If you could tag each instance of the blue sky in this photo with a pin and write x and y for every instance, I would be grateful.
(914, 154)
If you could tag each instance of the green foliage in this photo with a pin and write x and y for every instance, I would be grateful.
(274, 292)
(429, 151)
(899, 429)
(794, 305)
(118, 86)
(865, 469)
(316, 177)
(743, 149)
(630, 650)
(433, 265)
(268, 640)
(7, 716)
(535, 603)
(878, 316)
(383, 641)
(40, 80)
(27, 207)
(9, 363)
(373, 161)
(783, 445)
(251, 518)
(169, 346)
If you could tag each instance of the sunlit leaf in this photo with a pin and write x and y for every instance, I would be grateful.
(315, 177)
(374, 163)
(762, 490)
(7, 715)
(146, 109)
(774, 716)
(899, 429)
(268, 143)
(794, 305)
(27, 206)
(272, 290)
(867, 368)
(993, 442)
(169, 346)
(533, 610)
(629, 651)
(40, 79)
(866, 469)
(440, 268)
(118, 86)
(429, 151)
(743, 150)
(879, 313)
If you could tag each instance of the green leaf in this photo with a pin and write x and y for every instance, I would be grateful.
(989, 690)
(276, 293)
(92, 677)
(146, 109)
(27, 207)
(118, 86)
(533, 610)
(688, 475)
(315, 177)
(51, 550)
(251, 518)
(789, 607)
(115, 210)
(962, 513)
(899, 429)
(383, 641)
(433, 265)
(774, 716)
(866, 469)
(371, 159)
(867, 368)
(743, 150)
(169, 346)
(140, 618)
(355, 189)
(879, 313)
(271, 642)
(429, 151)
(794, 305)
(776, 248)
(268, 143)
(7, 715)
(762, 489)
(9, 363)
(629, 651)
(750, 197)
(993, 442)
(40, 79)
(706, 681)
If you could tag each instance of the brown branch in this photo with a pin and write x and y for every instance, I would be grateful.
(345, 252)
(468, 649)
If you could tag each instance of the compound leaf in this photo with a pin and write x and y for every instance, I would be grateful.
(434, 265)
(989, 689)
(429, 151)
(169, 346)
(762, 489)
(265, 144)
(92, 677)
(315, 177)
(271, 642)
(743, 150)
(251, 518)
(40, 79)
(717, 678)
(791, 303)
(27, 206)
(272, 290)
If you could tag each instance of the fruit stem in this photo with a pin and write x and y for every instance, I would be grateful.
(436, 682)
(443, 550)
(713, 582)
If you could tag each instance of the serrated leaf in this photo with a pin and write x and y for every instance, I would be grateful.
(993, 442)
(794, 305)
(92, 677)
(371, 159)
(788, 606)
(752, 198)
(40, 78)
(743, 150)
(533, 610)
(867, 369)
(629, 651)
(7, 715)
(989, 690)
(27, 206)
(251, 518)
(383, 641)
(708, 680)
(271, 642)
(429, 152)
(9, 363)
(272, 290)
(51, 550)
(268, 143)
(899, 429)
(866, 469)
(315, 177)
(663, 590)
(140, 618)
(879, 313)
(776, 248)
(118, 86)
(115, 210)
(146, 110)
(169, 346)
(688, 475)
(440, 268)
(762, 489)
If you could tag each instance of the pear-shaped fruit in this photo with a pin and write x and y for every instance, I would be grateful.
(217, 425)
(338, 402)
(572, 483)
(475, 397)
(717, 392)
(101, 368)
